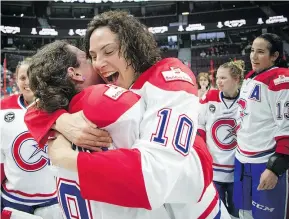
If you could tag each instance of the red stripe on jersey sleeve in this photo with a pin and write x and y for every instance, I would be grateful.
(282, 144)
(276, 79)
(155, 76)
(40, 122)
(211, 207)
(113, 177)
(106, 104)
(279, 87)
(220, 165)
(5, 214)
(10, 102)
(76, 104)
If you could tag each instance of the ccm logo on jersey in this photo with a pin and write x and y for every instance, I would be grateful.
(176, 74)
(9, 117)
(262, 207)
(26, 153)
(114, 92)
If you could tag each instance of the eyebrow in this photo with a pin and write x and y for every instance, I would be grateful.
(92, 52)
(258, 49)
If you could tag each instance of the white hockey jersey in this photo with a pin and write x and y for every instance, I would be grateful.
(160, 167)
(29, 180)
(126, 110)
(264, 113)
(218, 121)
(162, 164)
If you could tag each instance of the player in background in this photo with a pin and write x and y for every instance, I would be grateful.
(23, 164)
(217, 123)
(204, 84)
(161, 155)
(261, 165)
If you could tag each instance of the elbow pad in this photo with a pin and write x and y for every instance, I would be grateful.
(278, 163)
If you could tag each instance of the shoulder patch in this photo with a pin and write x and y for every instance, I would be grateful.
(176, 74)
(212, 108)
(9, 117)
(114, 92)
(281, 79)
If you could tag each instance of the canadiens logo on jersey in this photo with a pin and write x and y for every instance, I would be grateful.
(26, 153)
(9, 117)
(224, 133)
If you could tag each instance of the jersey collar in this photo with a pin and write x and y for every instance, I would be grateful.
(222, 97)
(21, 102)
(265, 70)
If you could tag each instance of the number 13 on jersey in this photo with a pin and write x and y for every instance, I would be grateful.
(182, 138)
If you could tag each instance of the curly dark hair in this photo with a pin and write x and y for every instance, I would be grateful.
(48, 78)
(136, 44)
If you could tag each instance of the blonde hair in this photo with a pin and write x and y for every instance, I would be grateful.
(26, 61)
(237, 69)
(205, 75)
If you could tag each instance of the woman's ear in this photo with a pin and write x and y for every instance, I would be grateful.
(74, 75)
(275, 56)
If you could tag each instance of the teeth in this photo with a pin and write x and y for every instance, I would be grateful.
(109, 74)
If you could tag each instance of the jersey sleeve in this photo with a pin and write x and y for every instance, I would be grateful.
(202, 118)
(278, 96)
(39, 123)
(153, 172)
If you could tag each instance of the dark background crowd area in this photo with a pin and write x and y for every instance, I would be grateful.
(203, 50)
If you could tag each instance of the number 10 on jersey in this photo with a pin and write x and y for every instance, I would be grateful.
(182, 135)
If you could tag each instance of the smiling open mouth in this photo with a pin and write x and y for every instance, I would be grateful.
(112, 78)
